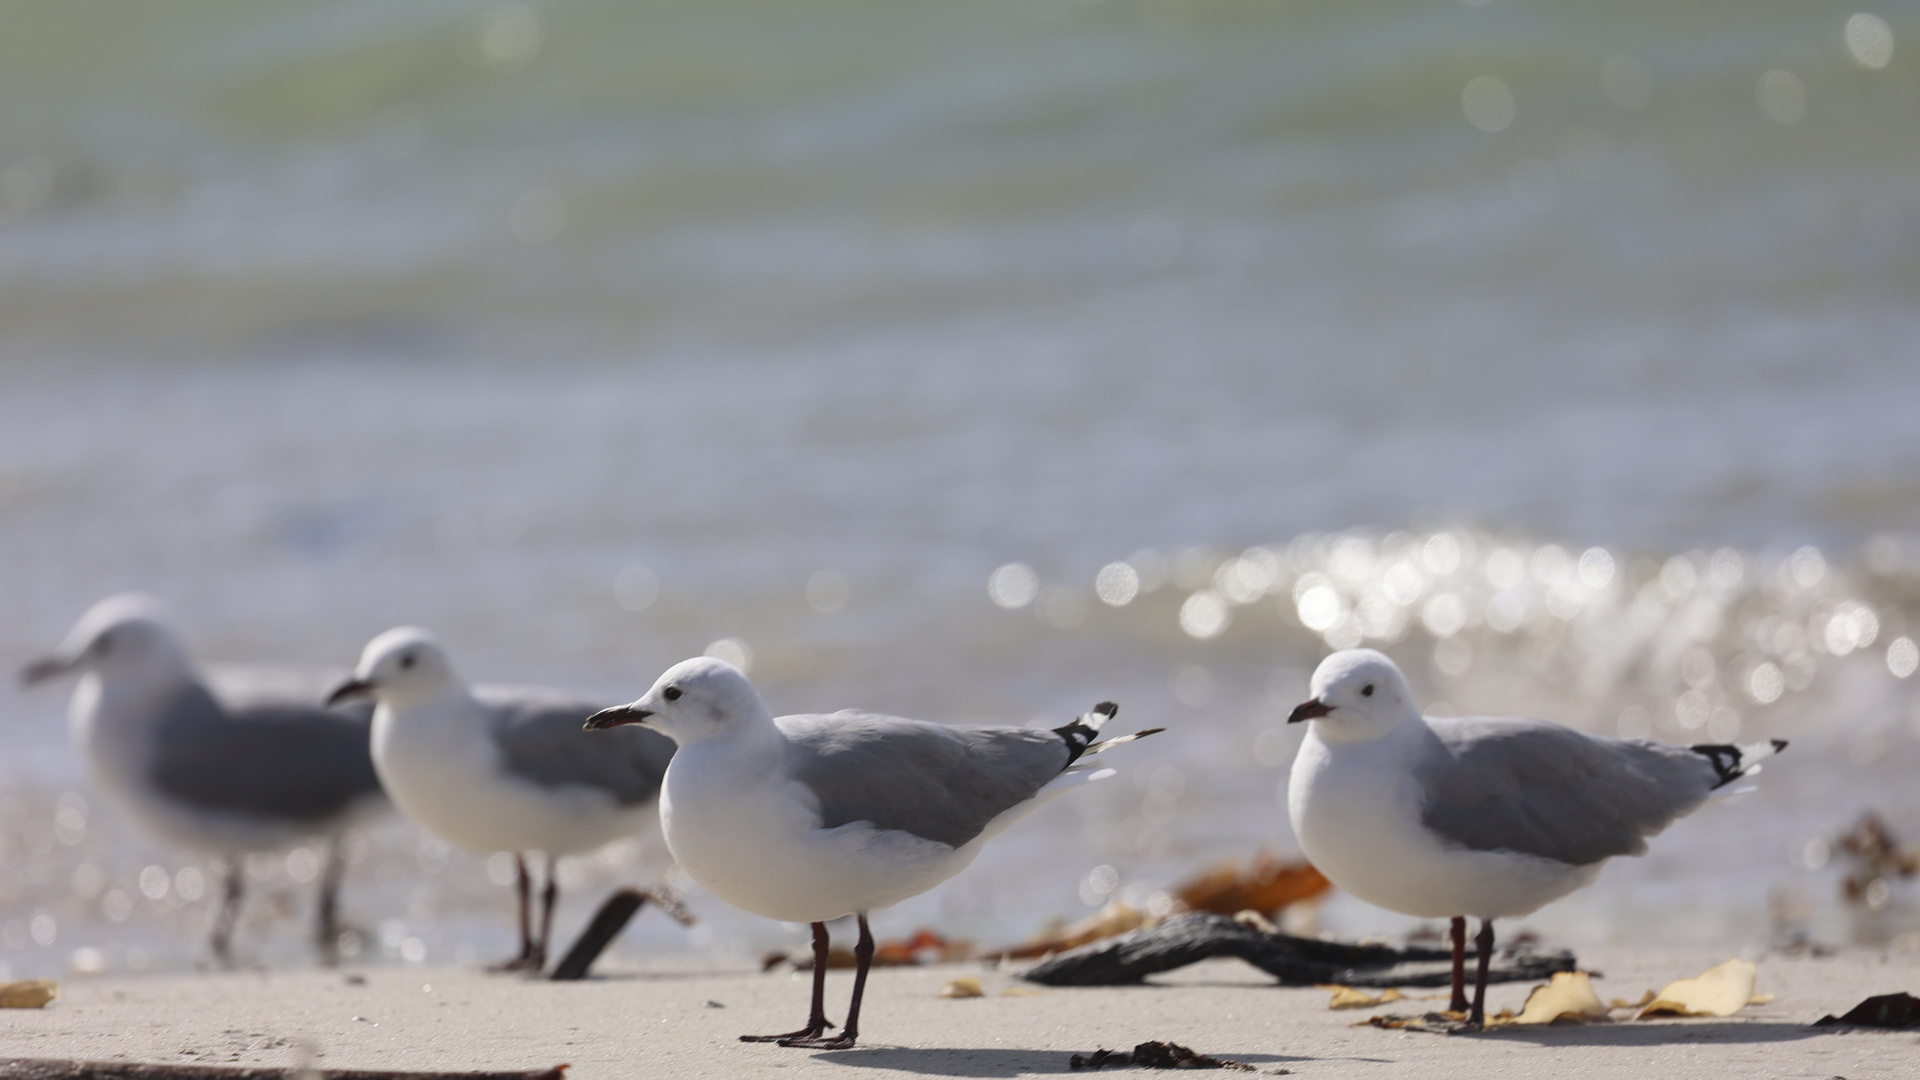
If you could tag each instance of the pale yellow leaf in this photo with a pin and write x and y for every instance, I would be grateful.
(1622, 1003)
(1717, 991)
(1567, 996)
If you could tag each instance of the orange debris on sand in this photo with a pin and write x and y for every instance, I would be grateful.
(925, 946)
(1266, 885)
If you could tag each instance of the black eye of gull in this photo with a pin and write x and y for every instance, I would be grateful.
(406, 661)
(1367, 690)
(671, 693)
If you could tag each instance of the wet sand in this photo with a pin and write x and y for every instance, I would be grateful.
(680, 1018)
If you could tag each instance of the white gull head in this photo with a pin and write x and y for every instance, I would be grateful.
(402, 668)
(1359, 695)
(695, 700)
(127, 640)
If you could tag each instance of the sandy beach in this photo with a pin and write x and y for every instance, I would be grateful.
(680, 1018)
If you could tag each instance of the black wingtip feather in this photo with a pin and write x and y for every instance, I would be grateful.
(1729, 762)
(1080, 734)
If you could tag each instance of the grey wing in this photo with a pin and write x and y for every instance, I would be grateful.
(540, 739)
(1546, 790)
(939, 783)
(291, 760)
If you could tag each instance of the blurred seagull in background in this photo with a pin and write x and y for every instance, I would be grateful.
(1449, 818)
(503, 768)
(221, 778)
(811, 818)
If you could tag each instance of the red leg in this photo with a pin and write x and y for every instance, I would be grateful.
(843, 1041)
(1459, 1002)
(524, 889)
(817, 1021)
(232, 887)
(1484, 943)
(548, 897)
(326, 930)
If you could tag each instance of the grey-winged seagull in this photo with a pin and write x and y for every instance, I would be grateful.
(502, 768)
(219, 777)
(811, 818)
(1448, 818)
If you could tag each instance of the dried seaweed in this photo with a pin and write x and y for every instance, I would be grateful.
(1292, 961)
(1155, 1055)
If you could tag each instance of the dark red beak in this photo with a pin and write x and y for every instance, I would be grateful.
(350, 690)
(614, 717)
(1308, 710)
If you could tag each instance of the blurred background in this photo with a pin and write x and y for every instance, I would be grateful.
(979, 361)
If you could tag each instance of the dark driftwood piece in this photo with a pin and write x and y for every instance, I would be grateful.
(1895, 1011)
(1293, 961)
(607, 924)
(56, 1069)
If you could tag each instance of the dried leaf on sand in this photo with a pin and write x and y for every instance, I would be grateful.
(1567, 996)
(1436, 1023)
(1717, 991)
(28, 993)
(1346, 997)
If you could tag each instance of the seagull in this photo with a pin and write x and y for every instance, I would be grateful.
(1448, 818)
(503, 768)
(811, 818)
(223, 778)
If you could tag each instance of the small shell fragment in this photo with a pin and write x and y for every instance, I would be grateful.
(966, 986)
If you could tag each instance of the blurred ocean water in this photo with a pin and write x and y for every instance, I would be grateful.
(978, 362)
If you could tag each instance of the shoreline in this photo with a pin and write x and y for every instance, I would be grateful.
(680, 1018)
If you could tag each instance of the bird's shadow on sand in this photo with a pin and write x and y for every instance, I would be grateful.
(630, 976)
(985, 1061)
(1642, 1034)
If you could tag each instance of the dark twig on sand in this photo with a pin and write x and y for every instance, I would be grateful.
(607, 924)
(1155, 1055)
(56, 1069)
(1293, 961)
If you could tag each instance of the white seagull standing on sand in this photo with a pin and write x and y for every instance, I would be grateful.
(811, 818)
(1446, 818)
(221, 778)
(502, 768)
